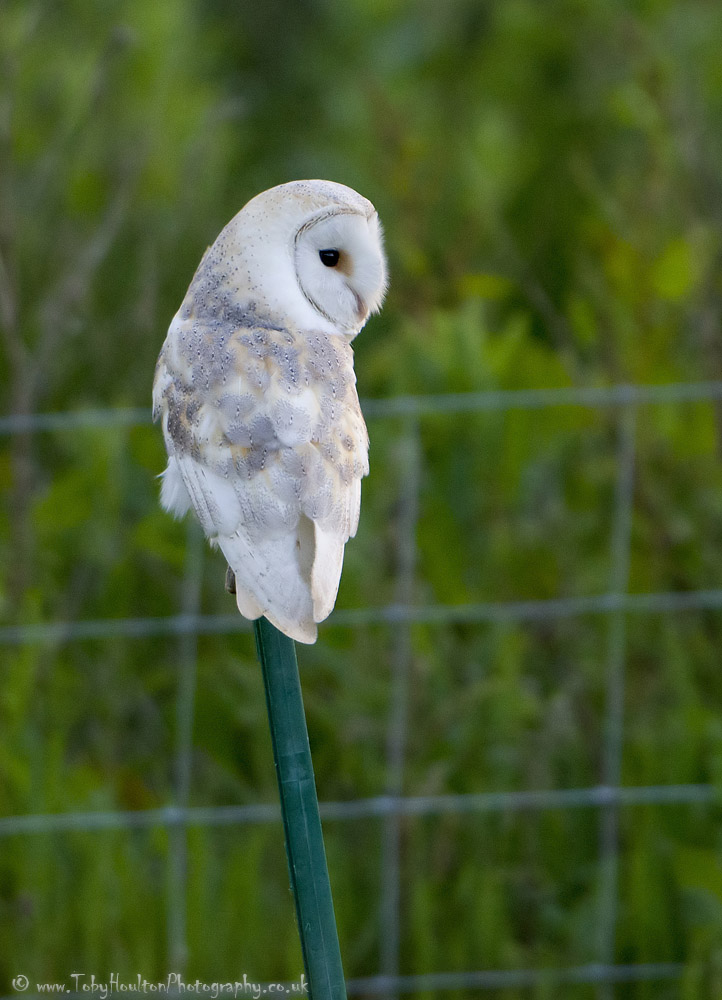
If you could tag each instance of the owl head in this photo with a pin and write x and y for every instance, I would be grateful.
(310, 252)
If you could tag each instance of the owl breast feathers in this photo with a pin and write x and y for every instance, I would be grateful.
(257, 394)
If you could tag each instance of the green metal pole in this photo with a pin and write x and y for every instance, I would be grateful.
(299, 807)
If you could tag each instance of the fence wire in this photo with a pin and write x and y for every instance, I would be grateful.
(608, 797)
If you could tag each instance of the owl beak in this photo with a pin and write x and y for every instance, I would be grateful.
(361, 311)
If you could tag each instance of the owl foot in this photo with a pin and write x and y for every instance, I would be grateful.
(230, 580)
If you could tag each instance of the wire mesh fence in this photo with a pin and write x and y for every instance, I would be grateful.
(613, 606)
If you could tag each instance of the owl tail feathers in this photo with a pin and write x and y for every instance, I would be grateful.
(269, 581)
(326, 572)
(303, 631)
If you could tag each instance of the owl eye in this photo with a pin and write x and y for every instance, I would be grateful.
(329, 257)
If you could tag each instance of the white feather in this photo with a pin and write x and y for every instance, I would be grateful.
(271, 582)
(214, 499)
(326, 573)
(173, 494)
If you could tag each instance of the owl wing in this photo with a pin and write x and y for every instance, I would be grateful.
(267, 443)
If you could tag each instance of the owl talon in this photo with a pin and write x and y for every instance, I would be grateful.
(230, 580)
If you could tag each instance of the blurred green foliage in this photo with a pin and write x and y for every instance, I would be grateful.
(549, 179)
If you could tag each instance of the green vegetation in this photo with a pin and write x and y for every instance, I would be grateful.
(549, 179)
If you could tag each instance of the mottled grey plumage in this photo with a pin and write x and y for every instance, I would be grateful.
(256, 390)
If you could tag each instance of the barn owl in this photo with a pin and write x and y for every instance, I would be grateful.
(256, 392)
